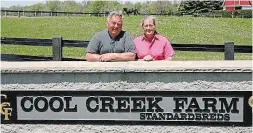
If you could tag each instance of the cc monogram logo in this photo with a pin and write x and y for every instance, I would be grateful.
(250, 101)
(5, 108)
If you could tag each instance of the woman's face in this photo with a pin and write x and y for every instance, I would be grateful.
(148, 28)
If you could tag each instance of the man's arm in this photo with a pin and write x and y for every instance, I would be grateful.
(92, 51)
(118, 57)
(92, 57)
(111, 57)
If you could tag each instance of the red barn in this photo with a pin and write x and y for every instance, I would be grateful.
(232, 5)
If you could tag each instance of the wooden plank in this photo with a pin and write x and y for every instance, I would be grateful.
(15, 57)
(84, 44)
(75, 43)
(57, 48)
(198, 47)
(243, 49)
(229, 51)
(26, 41)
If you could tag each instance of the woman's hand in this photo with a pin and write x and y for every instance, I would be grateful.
(148, 58)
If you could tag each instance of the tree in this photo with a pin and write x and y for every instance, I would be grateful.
(162, 7)
(97, 6)
(137, 6)
(200, 6)
(71, 6)
(86, 5)
(158, 7)
(113, 6)
(36, 7)
(128, 4)
(18, 7)
(53, 5)
(145, 8)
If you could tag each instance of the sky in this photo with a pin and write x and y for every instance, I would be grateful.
(8, 3)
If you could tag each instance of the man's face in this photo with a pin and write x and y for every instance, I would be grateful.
(149, 28)
(114, 25)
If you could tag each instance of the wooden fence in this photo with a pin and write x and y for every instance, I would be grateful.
(23, 13)
(58, 43)
(20, 13)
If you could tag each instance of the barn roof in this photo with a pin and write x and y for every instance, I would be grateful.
(236, 3)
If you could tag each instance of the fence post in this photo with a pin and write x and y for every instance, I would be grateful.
(229, 51)
(57, 48)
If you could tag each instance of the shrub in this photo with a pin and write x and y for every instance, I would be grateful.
(237, 13)
(224, 13)
(246, 13)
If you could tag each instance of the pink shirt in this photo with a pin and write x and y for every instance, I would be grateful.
(159, 48)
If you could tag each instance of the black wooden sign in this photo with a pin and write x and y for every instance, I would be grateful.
(220, 108)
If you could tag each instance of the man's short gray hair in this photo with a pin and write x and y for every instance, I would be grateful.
(147, 18)
(115, 13)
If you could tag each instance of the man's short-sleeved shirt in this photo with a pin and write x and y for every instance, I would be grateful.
(159, 48)
(102, 43)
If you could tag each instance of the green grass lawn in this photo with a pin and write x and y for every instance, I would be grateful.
(186, 30)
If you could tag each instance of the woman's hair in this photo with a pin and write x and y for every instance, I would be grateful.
(115, 13)
(147, 18)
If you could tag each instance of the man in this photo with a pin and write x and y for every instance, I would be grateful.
(112, 44)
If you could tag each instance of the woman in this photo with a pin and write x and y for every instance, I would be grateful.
(151, 45)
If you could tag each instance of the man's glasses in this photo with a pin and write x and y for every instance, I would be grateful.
(115, 23)
(148, 25)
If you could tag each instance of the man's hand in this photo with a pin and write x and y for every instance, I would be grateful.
(148, 58)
